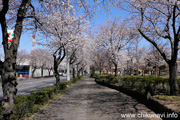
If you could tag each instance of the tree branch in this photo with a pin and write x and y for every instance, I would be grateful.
(155, 45)
(174, 20)
(18, 27)
(4, 24)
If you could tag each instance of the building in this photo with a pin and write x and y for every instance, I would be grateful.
(24, 69)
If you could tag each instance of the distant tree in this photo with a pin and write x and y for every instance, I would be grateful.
(62, 30)
(99, 60)
(49, 63)
(155, 60)
(136, 56)
(114, 36)
(22, 56)
(38, 59)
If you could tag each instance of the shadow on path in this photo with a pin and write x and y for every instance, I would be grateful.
(89, 101)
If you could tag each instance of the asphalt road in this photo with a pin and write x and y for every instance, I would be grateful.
(26, 86)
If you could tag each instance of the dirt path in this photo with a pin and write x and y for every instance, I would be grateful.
(89, 101)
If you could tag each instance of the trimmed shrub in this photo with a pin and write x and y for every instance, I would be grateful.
(40, 97)
(25, 105)
(74, 80)
(138, 83)
(64, 85)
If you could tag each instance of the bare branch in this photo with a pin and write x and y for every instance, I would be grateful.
(155, 45)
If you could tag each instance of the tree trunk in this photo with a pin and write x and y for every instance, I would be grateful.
(9, 84)
(73, 70)
(115, 70)
(151, 72)
(156, 71)
(57, 60)
(49, 73)
(56, 72)
(174, 88)
(82, 70)
(142, 72)
(42, 71)
(92, 71)
(130, 71)
(33, 72)
(101, 67)
(110, 67)
(78, 71)
(100, 71)
(57, 79)
(1, 67)
(159, 72)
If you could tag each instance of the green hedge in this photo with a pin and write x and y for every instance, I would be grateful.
(43, 77)
(138, 83)
(26, 105)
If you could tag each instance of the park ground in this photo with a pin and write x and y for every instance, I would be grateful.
(89, 101)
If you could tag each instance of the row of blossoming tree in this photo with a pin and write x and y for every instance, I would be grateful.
(62, 24)
(156, 21)
(65, 24)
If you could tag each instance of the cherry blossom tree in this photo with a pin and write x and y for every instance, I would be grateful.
(63, 28)
(99, 60)
(19, 14)
(22, 56)
(74, 48)
(15, 11)
(83, 60)
(39, 58)
(49, 63)
(114, 36)
(158, 22)
(72, 60)
(34, 62)
(136, 55)
(155, 59)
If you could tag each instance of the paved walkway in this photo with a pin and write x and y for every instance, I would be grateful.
(89, 101)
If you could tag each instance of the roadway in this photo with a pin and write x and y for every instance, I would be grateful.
(26, 86)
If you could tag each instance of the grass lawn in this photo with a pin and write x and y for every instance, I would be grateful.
(172, 102)
(164, 76)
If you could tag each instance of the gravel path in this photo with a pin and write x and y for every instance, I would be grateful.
(89, 101)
